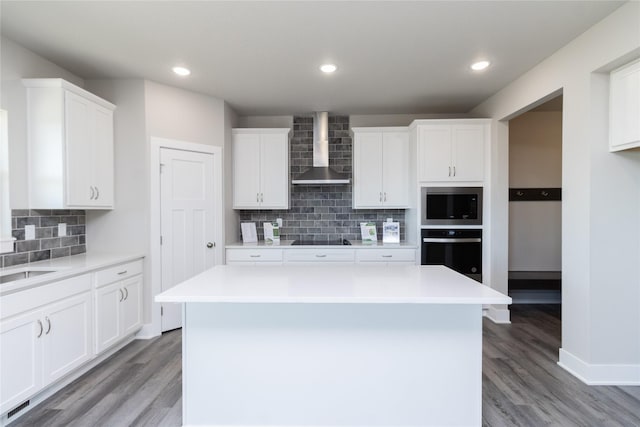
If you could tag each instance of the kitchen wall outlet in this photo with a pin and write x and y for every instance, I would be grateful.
(62, 229)
(29, 232)
(279, 221)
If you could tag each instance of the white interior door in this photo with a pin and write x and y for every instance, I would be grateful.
(186, 221)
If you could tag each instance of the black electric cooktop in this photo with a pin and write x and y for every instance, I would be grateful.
(304, 242)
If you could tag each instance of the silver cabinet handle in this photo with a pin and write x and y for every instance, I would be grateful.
(255, 256)
(387, 256)
(49, 325)
(463, 240)
(93, 193)
(120, 273)
(261, 197)
(321, 255)
(258, 197)
(210, 245)
(381, 196)
(449, 170)
(97, 193)
(41, 329)
(121, 295)
(126, 293)
(454, 171)
(385, 196)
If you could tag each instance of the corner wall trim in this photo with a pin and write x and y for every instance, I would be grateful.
(147, 332)
(599, 374)
(498, 315)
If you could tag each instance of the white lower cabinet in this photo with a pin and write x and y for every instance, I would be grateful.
(257, 256)
(317, 255)
(47, 332)
(387, 256)
(326, 256)
(44, 342)
(118, 304)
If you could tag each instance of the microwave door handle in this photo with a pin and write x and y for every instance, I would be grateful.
(444, 240)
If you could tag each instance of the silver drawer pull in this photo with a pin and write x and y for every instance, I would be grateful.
(255, 256)
(121, 295)
(387, 256)
(122, 272)
(49, 325)
(463, 240)
(126, 293)
(321, 255)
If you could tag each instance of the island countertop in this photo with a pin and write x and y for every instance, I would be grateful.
(333, 284)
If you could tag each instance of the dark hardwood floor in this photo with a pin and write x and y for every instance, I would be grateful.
(522, 384)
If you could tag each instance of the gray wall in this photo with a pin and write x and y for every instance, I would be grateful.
(18, 63)
(601, 198)
(535, 161)
(322, 212)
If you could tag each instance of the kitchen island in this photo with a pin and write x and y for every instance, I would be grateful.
(345, 345)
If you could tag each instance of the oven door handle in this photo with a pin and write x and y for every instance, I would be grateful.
(461, 240)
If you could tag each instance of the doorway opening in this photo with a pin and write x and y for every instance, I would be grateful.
(535, 205)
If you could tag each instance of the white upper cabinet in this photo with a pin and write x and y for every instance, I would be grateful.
(261, 168)
(70, 133)
(624, 107)
(380, 167)
(451, 150)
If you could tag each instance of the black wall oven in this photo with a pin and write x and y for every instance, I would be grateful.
(458, 249)
(451, 206)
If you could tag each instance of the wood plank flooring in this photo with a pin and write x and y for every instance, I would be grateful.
(522, 384)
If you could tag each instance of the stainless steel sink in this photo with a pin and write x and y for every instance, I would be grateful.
(24, 274)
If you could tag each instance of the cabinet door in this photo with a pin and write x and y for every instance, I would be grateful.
(624, 107)
(435, 153)
(367, 170)
(67, 336)
(274, 171)
(107, 315)
(20, 359)
(468, 153)
(103, 157)
(131, 311)
(79, 121)
(246, 171)
(395, 169)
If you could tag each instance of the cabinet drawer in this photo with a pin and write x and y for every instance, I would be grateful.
(119, 272)
(29, 299)
(320, 255)
(254, 255)
(386, 255)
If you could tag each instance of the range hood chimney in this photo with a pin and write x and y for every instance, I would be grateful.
(320, 173)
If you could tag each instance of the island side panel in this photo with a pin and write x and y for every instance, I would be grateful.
(332, 364)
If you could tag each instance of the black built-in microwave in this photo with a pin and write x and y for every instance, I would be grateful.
(451, 205)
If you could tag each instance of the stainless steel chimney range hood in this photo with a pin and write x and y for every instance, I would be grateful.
(321, 173)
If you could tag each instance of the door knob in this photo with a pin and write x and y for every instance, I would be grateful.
(210, 245)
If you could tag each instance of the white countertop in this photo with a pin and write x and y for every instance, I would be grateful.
(64, 267)
(333, 284)
(355, 244)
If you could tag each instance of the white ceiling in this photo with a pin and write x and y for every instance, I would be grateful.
(263, 57)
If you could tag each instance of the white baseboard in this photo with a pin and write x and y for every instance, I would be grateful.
(147, 332)
(497, 315)
(599, 374)
(533, 296)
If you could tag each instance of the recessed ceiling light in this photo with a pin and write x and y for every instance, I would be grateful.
(328, 68)
(181, 71)
(480, 65)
